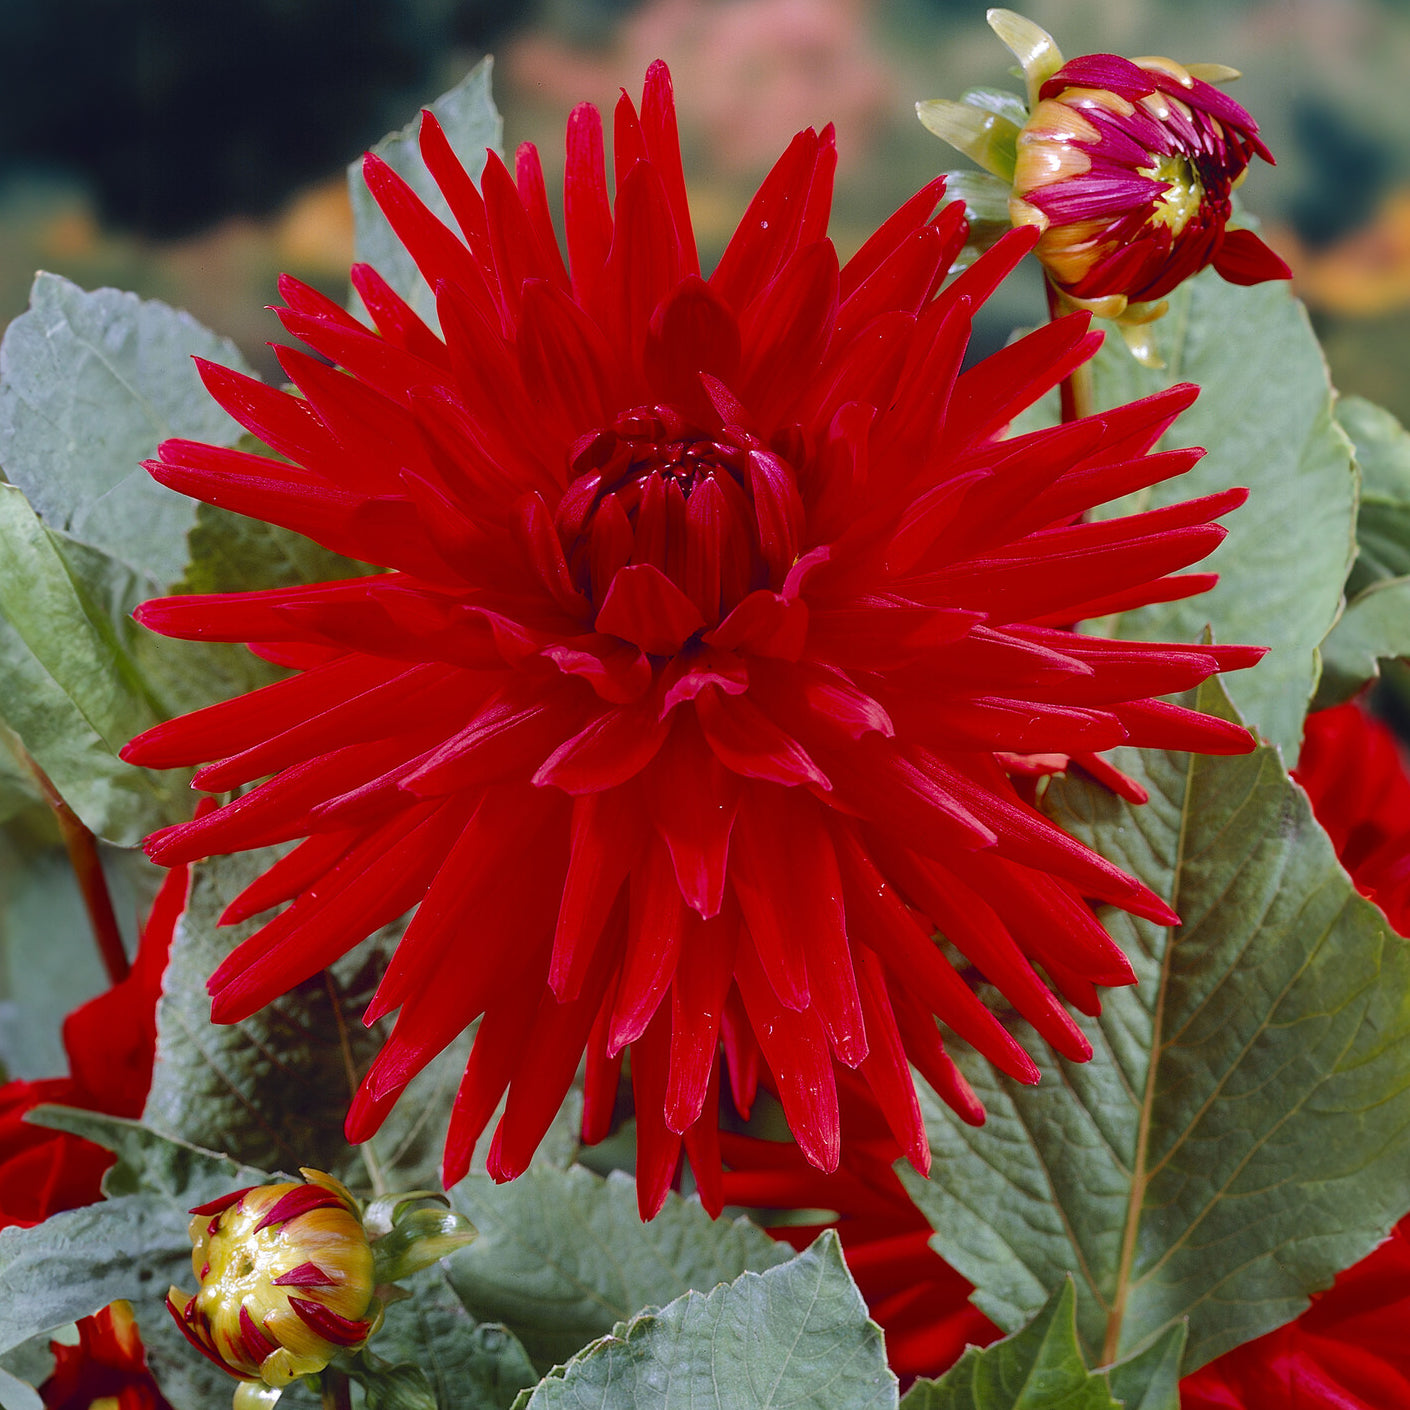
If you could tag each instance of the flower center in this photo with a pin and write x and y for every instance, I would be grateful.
(655, 488)
(1175, 206)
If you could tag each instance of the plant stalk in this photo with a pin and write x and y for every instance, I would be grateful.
(1076, 389)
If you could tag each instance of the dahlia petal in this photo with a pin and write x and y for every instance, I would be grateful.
(745, 740)
(903, 282)
(698, 991)
(656, 925)
(711, 668)
(553, 1048)
(643, 606)
(528, 177)
(742, 1055)
(465, 202)
(248, 720)
(369, 357)
(1110, 777)
(370, 714)
(842, 703)
(795, 1047)
(765, 624)
(612, 748)
(587, 213)
(692, 331)
(883, 631)
(974, 285)
(1244, 259)
(787, 329)
(396, 320)
(1017, 726)
(926, 1051)
(694, 805)
(663, 149)
(545, 552)
(607, 835)
(508, 735)
(702, 1149)
(817, 204)
(885, 1067)
(289, 875)
(563, 358)
(1165, 589)
(889, 236)
(602, 1078)
(285, 423)
(1156, 724)
(658, 1147)
(617, 671)
(881, 919)
(372, 884)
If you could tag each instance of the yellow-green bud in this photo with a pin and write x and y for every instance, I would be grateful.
(286, 1280)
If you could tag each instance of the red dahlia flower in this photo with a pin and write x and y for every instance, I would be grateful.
(713, 611)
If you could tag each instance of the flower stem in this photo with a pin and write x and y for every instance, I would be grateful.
(1076, 389)
(82, 848)
(337, 1393)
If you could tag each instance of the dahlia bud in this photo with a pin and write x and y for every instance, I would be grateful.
(286, 1276)
(1125, 166)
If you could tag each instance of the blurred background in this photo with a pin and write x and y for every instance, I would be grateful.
(191, 151)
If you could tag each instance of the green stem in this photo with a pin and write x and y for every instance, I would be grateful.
(337, 1392)
(1076, 389)
(82, 848)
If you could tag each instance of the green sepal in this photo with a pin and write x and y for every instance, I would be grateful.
(255, 1395)
(388, 1387)
(418, 1240)
(381, 1214)
(983, 136)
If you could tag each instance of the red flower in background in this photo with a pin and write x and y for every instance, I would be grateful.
(111, 1042)
(107, 1370)
(714, 611)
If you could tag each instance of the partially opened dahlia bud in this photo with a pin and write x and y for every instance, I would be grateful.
(1126, 166)
(286, 1279)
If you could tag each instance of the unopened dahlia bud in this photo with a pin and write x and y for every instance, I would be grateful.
(1125, 166)
(286, 1276)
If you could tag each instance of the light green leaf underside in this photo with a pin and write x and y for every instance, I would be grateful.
(469, 1365)
(1243, 1130)
(472, 123)
(1038, 1368)
(1375, 627)
(563, 1255)
(90, 384)
(1265, 415)
(1383, 520)
(70, 685)
(16, 1394)
(797, 1336)
(274, 1089)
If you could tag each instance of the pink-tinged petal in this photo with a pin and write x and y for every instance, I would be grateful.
(306, 1275)
(643, 606)
(300, 1200)
(341, 1331)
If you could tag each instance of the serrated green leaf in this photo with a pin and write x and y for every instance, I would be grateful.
(563, 1255)
(1375, 627)
(1038, 1368)
(1383, 520)
(469, 1365)
(472, 123)
(796, 1335)
(274, 1089)
(1265, 415)
(90, 384)
(1242, 1132)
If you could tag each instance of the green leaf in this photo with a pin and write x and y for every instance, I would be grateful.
(1265, 415)
(563, 1255)
(90, 384)
(469, 1365)
(1150, 1380)
(274, 1089)
(1375, 627)
(69, 683)
(1243, 1130)
(1039, 1368)
(797, 1335)
(16, 1394)
(1383, 520)
(472, 123)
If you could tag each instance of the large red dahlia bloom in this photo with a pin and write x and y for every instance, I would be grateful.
(715, 612)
